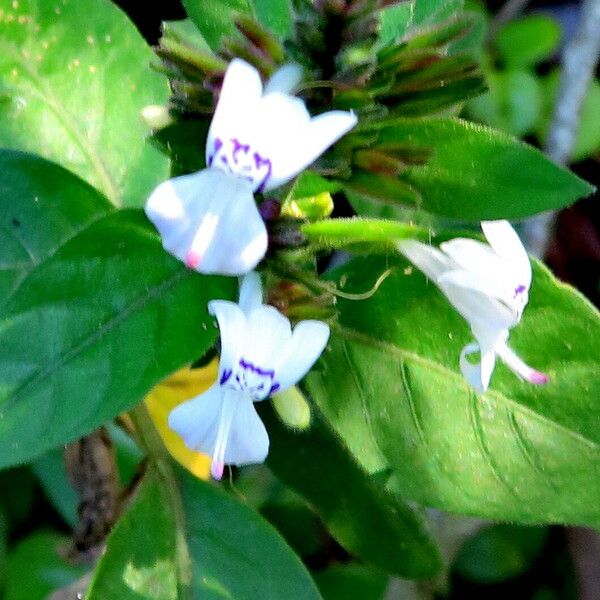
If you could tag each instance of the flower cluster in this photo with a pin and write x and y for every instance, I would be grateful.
(258, 140)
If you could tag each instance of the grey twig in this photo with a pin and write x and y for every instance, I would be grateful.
(578, 63)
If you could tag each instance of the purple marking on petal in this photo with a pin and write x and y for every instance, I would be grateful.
(238, 147)
(259, 161)
(257, 370)
(216, 147)
(274, 388)
(520, 289)
(225, 376)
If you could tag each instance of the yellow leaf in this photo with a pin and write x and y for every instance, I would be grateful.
(181, 386)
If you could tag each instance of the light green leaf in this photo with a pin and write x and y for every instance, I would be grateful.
(354, 509)
(75, 75)
(236, 553)
(35, 568)
(476, 173)
(140, 559)
(528, 41)
(93, 311)
(523, 453)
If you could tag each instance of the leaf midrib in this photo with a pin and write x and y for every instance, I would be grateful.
(357, 336)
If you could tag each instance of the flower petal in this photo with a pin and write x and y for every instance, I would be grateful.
(426, 258)
(516, 365)
(196, 420)
(301, 142)
(488, 292)
(507, 244)
(308, 341)
(240, 95)
(479, 309)
(267, 333)
(250, 292)
(284, 80)
(232, 330)
(210, 221)
(248, 441)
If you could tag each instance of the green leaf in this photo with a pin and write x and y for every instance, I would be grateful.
(351, 582)
(140, 558)
(528, 41)
(513, 102)
(500, 552)
(275, 14)
(476, 173)
(76, 76)
(522, 453)
(358, 512)
(94, 312)
(216, 19)
(35, 569)
(398, 19)
(236, 553)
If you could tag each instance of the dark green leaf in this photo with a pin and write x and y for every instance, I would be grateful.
(76, 76)
(476, 173)
(236, 553)
(351, 582)
(51, 473)
(141, 556)
(529, 40)
(93, 313)
(35, 569)
(523, 453)
(363, 518)
(500, 552)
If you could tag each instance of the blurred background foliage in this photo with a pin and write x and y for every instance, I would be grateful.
(38, 506)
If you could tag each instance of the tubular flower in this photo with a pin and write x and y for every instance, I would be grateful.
(260, 355)
(258, 140)
(489, 286)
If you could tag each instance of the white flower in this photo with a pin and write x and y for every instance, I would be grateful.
(489, 286)
(258, 140)
(260, 355)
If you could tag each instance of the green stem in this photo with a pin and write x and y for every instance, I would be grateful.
(153, 446)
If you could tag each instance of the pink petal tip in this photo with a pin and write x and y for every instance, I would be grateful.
(538, 378)
(216, 470)
(192, 260)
